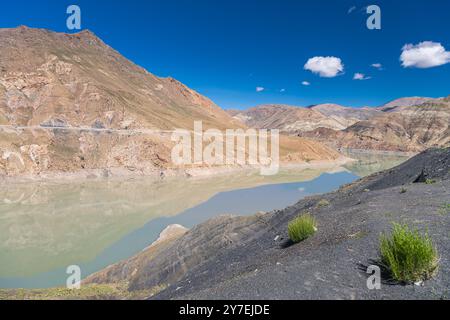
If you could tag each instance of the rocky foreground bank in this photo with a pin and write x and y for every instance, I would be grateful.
(233, 257)
(251, 258)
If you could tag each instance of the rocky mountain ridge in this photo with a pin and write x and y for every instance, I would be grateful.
(406, 124)
(410, 129)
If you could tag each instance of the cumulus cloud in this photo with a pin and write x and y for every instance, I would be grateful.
(360, 76)
(260, 89)
(326, 67)
(306, 83)
(426, 54)
(378, 66)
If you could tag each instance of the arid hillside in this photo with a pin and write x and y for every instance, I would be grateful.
(402, 103)
(77, 80)
(405, 124)
(410, 129)
(70, 103)
(289, 119)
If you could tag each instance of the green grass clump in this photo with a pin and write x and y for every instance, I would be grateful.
(302, 228)
(408, 255)
(403, 190)
(430, 181)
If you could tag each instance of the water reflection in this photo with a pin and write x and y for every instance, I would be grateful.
(45, 227)
(367, 163)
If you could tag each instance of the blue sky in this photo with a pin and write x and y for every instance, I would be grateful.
(225, 49)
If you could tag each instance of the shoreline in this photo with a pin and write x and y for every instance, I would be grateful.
(380, 152)
(172, 231)
(112, 174)
(255, 180)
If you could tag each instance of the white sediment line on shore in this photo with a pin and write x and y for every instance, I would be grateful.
(159, 174)
(151, 172)
(380, 152)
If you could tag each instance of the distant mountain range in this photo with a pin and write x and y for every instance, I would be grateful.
(50, 81)
(405, 124)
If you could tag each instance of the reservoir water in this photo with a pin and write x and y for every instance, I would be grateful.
(47, 226)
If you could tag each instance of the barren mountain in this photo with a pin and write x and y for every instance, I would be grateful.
(406, 124)
(289, 118)
(77, 80)
(346, 113)
(410, 129)
(70, 103)
(402, 103)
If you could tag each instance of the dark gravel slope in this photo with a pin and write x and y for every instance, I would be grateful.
(433, 164)
(331, 264)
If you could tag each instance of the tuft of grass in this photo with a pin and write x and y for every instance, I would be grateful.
(302, 228)
(403, 190)
(408, 255)
(430, 181)
(323, 203)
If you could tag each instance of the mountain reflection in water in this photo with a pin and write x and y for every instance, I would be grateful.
(47, 226)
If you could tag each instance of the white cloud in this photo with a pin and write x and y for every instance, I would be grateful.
(306, 83)
(260, 89)
(361, 76)
(326, 67)
(378, 66)
(426, 54)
